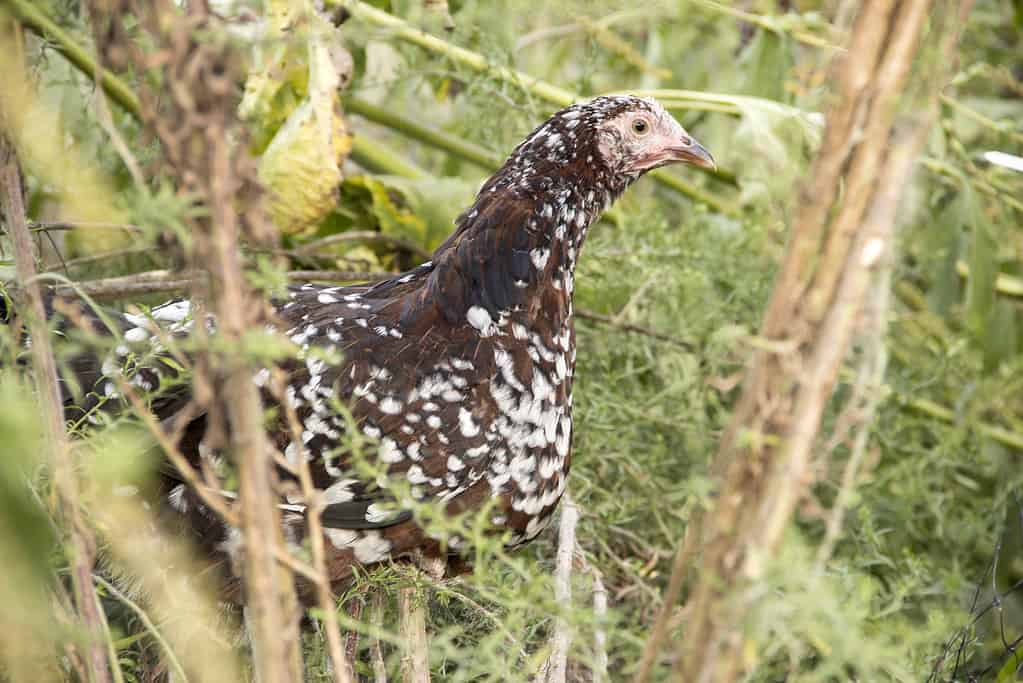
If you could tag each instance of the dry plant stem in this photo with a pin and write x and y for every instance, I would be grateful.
(80, 539)
(764, 458)
(194, 124)
(413, 615)
(314, 508)
(276, 654)
(106, 121)
(377, 654)
(351, 650)
(415, 662)
(871, 374)
(599, 667)
(153, 281)
(679, 564)
(555, 669)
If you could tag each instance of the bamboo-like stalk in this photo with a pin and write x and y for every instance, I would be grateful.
(841, 235)
(80, 540)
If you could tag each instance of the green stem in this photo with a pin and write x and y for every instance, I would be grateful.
(401, 30)
(1003, 436)
(376, 156)
(34, 19)
(956, 176)
(483, 158)
(372, 155)
(147, 623)
(473, 60)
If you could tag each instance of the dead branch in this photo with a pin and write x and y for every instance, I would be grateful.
(313, 499)
(586, 314)
(415, 662)
(764, 458)
(599, 666)
(412, 617)
(679, 564)
(194, 122)
(80, 538)
(159, 281)
(555, 669)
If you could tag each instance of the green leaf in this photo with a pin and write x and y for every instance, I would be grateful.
(980, 288)
(769, 61)
(944, 241)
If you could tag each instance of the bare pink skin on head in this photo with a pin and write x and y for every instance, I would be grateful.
(650, 138)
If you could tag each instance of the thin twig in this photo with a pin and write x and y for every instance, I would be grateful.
(660, 630)
(96, 258)
(587, 314)
(155, 281)
(179, 670)
(80, 538)
(361, 236)
(313, 499)
(108, 637)
(555, 669)
(46, 226)
(106, 122)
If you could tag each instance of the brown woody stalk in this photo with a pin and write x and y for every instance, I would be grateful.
(415, 662)
(314, 502)
(555, 668)
(80, 542)
(763, 462)
(413, 614)
(194, 124)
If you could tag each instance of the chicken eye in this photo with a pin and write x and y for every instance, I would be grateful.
(640, 127)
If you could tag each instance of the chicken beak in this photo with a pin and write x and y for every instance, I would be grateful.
(693, 153)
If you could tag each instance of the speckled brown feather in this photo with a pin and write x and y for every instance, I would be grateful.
(460, 370)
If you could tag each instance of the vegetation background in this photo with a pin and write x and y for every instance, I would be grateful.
(905, 554)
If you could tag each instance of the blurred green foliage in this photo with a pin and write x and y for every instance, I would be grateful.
(940, 492)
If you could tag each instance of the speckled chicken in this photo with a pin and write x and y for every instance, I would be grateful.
(460, 370)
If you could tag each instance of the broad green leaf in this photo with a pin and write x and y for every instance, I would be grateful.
(301, 165)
